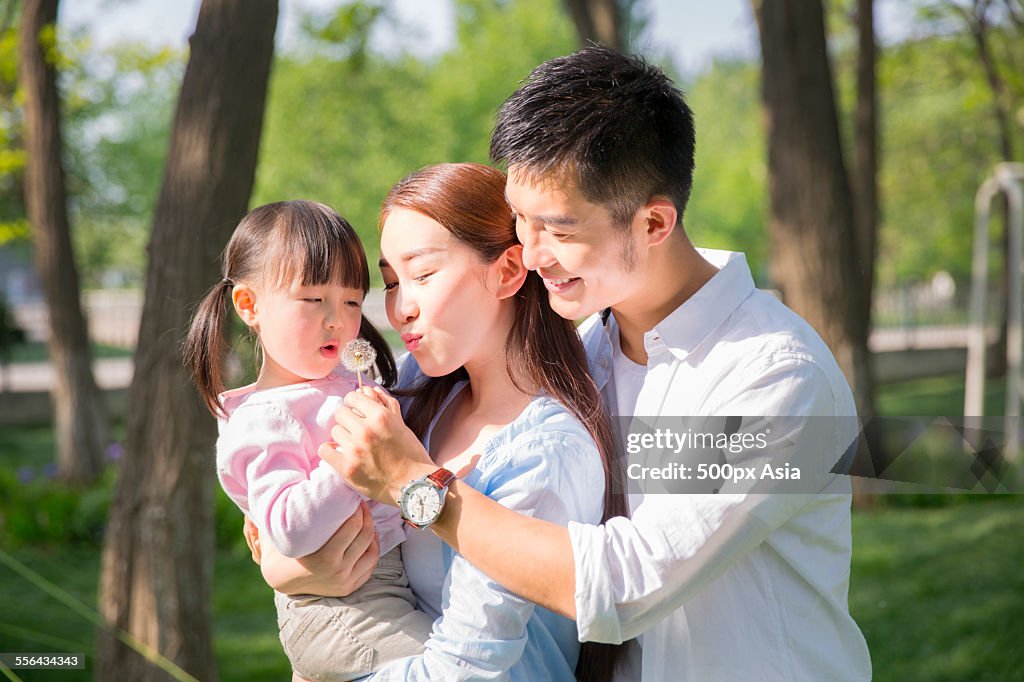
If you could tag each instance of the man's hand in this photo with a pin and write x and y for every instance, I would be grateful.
(337, 569)
(373, 449)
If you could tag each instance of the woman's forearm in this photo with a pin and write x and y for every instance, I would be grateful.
(492, 537)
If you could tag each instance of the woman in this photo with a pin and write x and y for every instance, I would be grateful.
(493, 372)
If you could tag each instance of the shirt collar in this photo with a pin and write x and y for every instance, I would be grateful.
(598, 346)
(689, 325)
(686, 327)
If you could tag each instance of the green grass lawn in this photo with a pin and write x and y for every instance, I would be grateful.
(245, 627)
(26, 446)
(938, 593)
(935, 396)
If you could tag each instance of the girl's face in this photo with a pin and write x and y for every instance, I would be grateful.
(302, 328)
(450, 307)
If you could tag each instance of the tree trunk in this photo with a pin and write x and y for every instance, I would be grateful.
(80, 421)
(978, 25)
(976, 21)
(865, 153)
(157, 560)
(598, 21)
(865, 205)
(814, 248)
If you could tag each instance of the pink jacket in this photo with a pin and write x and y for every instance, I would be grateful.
(268, 465)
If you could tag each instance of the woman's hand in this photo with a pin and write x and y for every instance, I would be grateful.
(252, 538)
(337, 569)
(373, 449)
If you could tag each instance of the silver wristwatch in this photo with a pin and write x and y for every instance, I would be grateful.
(421, 501)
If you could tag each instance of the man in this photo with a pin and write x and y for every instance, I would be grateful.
(738, 586)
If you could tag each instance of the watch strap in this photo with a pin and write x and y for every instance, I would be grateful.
(442, 478)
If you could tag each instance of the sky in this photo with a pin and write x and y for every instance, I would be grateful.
(692, 32)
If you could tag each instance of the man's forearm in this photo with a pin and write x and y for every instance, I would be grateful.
(530, 557)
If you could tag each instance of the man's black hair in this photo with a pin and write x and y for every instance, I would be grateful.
(616, 121)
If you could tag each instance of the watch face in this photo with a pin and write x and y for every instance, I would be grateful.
(421, 502)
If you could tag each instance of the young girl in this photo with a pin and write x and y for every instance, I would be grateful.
(296, 274)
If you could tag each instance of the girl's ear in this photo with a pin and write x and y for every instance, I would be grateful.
(511, 271)
(243, 298)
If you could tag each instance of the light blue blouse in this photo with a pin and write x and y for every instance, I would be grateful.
(543, 464)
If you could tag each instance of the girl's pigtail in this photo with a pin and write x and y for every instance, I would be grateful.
(204, 347)
(385, 359)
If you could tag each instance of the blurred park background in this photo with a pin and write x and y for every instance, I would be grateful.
(127, 155)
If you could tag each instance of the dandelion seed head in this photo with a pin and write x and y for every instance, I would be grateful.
(358, 356)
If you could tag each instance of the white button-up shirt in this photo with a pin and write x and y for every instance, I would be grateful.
(728, 586)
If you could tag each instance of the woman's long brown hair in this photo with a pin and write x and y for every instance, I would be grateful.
(543, 349)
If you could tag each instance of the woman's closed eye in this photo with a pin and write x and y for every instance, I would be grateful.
(391, 286)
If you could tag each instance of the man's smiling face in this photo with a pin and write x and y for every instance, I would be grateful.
(586, 261)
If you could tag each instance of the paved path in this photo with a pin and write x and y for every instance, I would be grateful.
(38, 376)
(921, 338)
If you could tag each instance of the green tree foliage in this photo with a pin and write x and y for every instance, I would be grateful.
(938, 145)
(345, 122)
(123, 98)
(349, 115)
(117, 108)
(13, 226)
(728, 204)
(939, 140)
(346, 118)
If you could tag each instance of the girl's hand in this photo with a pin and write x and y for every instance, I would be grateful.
(374, 450)
(337, 569)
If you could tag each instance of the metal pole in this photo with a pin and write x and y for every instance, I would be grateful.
(974, 390)
(1006, 178)
(1010, 177)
